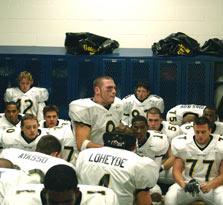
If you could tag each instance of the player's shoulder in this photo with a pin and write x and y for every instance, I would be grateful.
(158, 136)
(155, 98)
(13, 91)
(219, 141)
(128, 97)
(181, 141)
(83, 103)
(159, 141)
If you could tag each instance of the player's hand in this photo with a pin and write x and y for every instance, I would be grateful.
(192, 187)
(205, 188)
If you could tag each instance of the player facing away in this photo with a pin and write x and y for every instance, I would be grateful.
(31, 100)
(198, 167)
(60, 187)
(116, 166)
(36, 164)
(138, 103)
(92, 117)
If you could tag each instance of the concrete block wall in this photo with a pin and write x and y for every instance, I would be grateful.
(134, 23)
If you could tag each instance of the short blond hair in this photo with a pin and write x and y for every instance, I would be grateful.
(25, 74)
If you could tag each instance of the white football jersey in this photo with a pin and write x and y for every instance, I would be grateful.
(155, 147)
(5, 124)
(60, 123)
(35, 164)
(67, 139)
(133, 107)
(201, 164)
(175, 114)
(169, 130)
(10, 178)
(29, 194)
(96, 116)
(120, 170)
(188, 128)
(28, 101)
(12, 138)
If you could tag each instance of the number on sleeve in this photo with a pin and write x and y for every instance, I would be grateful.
(69, 149)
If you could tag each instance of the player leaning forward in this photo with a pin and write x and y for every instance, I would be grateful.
(198, 166)
(92, 117)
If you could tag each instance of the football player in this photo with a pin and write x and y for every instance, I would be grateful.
(210, 113)
(60, 187)
(138, 103)
(10, 177)
(92, 117)
(11, 117)
(116, 166)
(151, 144)
(155, 122)
(198, 166)
(31, 100)
(61, 129)
(51, 118)
(25, 138)
(177, 114)
(36, 164)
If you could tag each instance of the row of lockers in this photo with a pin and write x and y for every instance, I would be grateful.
(70, 77)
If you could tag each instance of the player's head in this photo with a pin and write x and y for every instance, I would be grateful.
(48, 144)
(140, 127)
(60, 185)
(202, 130)
(51, 115)
(154, 118)
(29, 126)
(104, 90)
(210, 112)
(5, 163)
(25, 81)
(142, 90)
(122, 137)
(12, 112)
(188, 117)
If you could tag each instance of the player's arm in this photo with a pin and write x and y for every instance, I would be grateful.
(169, 162)
(178, 167)
(82, 133)
(143, 197)
(218, 181)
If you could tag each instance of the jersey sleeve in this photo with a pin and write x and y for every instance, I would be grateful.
(79, 112)
(126, 111)
(146, 173)
(42, 94)
(178, 145)
(8, 95)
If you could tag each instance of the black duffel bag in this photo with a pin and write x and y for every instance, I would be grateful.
(89, 44)
(176, 44)
(213, 46)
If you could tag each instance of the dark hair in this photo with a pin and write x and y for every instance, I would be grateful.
(12, 103)
(98, 80)
(202, 121)
(60, 178)
(139, 118)
(153, 110)
(212, 108)
(48, 108)
(28, 117)
(5, 163)
(122, 137)
(143, 84)
(48, 144)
